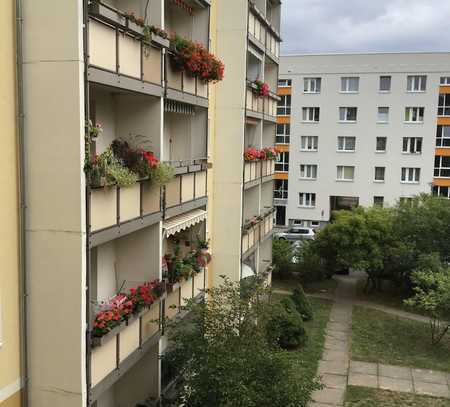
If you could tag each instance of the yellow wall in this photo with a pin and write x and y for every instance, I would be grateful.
(9, 247)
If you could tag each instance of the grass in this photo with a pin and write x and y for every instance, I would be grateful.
(380, 337)
(323, 287)
(365, 397)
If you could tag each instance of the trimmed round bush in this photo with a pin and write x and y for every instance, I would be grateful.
(285, 326)
(302, 304)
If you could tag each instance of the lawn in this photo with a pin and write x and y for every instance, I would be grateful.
(365, 397)
(323, 287)
(380, 337)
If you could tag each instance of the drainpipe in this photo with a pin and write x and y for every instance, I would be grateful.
(23, 202)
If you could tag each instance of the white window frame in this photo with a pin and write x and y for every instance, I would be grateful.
(416, 83)
(380, 205)
(344, 144)
(376, 144)
(308, 171)
(390, 84)
(284, 163)
(344, 112)
(309, 114)
(410, 175)
(284, 83)
(307, 141)
(345, 84)
(375, 179)
(439, 191)
(340, 173)
(414, 111)
(444, 108)
(380, 116)
(283, 191)
(286, 107)
(443, 139)
(412, 143)
(285, 136)
(307, 199)
(445, 80)
(312, 85)
(438, 169)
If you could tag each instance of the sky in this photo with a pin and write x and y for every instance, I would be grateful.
(319, 26)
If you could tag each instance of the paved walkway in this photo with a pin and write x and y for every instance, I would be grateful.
(338, 370)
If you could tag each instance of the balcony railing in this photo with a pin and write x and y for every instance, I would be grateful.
(257, 170)
(118, 46)
(270, 106)
(255, 103)
(257, 232)
(187, 191)
(120, 210)
(116, 352)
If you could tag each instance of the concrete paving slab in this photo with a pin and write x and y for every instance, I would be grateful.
(393, 384)
(337, 367)
(364, 380)
(429, 376)
(395, 372)
(334, 381)
(329, 396)
(364, 368)
(335, 355)
(432, 389)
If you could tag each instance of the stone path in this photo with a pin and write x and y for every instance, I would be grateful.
(337, 370)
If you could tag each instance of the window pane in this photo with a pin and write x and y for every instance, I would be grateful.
(385, 83)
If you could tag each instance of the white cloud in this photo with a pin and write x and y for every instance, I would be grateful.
(361, 25)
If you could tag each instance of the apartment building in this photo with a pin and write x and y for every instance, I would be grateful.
(248, 40)
(10, 280)
(365, 129)
(117, 172)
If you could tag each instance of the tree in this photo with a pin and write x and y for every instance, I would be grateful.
(225, 358)
(432, 294)
(282, 254)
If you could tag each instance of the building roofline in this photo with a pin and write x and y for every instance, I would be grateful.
(364, 53)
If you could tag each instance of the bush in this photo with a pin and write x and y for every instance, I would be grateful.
(302, 304)
(310, 266)
(282, 256)
(285, 326)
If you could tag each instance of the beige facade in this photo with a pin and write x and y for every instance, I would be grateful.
(10, 342)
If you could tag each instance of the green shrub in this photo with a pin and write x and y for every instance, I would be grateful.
(285, 326)
(302, 303)
(162, 174)
(282, 254)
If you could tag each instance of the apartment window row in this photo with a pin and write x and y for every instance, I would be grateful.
(442, 166)
(444, 105)
(284, 83)
(283, 135)
(284, 106)
(443, 136)
(350, 84)
(443, 192)
(445, 80)
(347, 172)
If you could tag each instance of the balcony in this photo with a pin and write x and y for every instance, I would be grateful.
(270, 108)
(254, 104)
(258, 230)
(114, 354)
(116, 211)
(188, 190)
(257, 172)
(256, 30)
(184, 88)
(120, 55)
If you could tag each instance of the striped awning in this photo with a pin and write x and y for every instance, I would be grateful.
(184, 221)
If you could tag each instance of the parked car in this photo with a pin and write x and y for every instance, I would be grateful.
(296, 233)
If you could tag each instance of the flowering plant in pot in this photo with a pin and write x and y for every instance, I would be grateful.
(252, 154)
(135, 19)
(270, 153)
(262, 88)
(112, 314)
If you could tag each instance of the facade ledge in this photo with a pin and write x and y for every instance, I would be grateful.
(258, 44)
(183, 97)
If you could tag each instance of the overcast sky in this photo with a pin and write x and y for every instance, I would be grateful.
(314, 26)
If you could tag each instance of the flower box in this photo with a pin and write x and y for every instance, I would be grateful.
(162, 42)
(107, 13)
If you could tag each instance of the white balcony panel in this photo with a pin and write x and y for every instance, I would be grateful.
(103, 208)
(151, 65)
(130, 202)
(173, 76)
(247, 171)
(187, 188)
(103, 360)
(129, 56)
(150, 322)
(172, 303)
(199, 282)
(188, 84)
(102, 46)
(202, 88)
(245, 245)
(151, 196)
(129, 340)
(173, 192)
(200, 184)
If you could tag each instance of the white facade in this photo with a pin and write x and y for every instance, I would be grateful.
(353, 81)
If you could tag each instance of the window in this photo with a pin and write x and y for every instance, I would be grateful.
(406, 200)
(308, 171)
(346, 144)
(378, 201)
(443, 192)
(381, 145)
(444, 105)
(412, 145)
(443, 136)
(284, 106)
(383, 114)
(281, 189)
(315, 223)
(284, 83)
(350, 84)
(307, 199)
(309, 143)
(416, 83)
(442, 166)
(385, 83)
(283, 134)
(312, 85)
(445, 80)
(348, 114)
(311, 114)
(411, 175)
(379, 174)
(414, 114)
(282, 162)
(345, 173)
